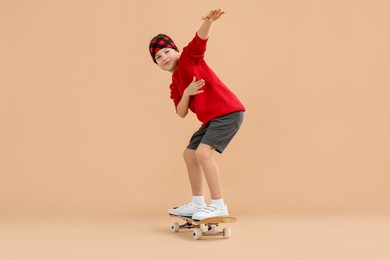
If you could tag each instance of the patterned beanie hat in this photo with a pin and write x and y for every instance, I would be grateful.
(159, 42)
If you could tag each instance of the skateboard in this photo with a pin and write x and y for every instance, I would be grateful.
(205, 227)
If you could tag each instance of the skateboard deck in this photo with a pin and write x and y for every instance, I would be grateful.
(205, 227)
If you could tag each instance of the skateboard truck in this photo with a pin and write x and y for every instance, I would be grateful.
(212, 231)
(188, 225)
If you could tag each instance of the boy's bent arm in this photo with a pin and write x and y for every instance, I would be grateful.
(192, 90)
(204, 30)
(182, 107)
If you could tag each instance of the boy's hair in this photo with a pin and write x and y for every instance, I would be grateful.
(159, 42)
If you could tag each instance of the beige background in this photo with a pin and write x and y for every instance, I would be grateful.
(87, 126)
(90, 146)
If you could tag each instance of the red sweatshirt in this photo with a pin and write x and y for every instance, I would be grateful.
(216, 100)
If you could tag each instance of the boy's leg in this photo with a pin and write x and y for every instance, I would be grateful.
(204, 155)
(194, 172)
(195, 176)
(217, 208)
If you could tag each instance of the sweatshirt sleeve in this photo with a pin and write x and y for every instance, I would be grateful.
(175, 95)
(196, 48)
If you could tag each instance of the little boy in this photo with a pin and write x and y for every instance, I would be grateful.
(196, 87)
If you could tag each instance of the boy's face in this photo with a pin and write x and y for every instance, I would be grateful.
(167, 59)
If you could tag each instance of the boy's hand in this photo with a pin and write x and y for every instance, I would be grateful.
(193, 88)
(213, 15)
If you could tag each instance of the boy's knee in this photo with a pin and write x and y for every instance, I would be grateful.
(203, 154)
(189, 155)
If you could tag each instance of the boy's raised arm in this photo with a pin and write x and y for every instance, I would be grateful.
(212, 16)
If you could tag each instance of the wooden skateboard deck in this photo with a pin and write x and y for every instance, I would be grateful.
(205, 227)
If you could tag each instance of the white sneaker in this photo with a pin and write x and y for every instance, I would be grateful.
(210, 212)
(186, 210)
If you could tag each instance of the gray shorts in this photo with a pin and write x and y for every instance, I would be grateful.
(218, 132)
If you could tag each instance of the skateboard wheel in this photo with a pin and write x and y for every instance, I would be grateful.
(175, 227)
(197, 234)
(227, 233)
